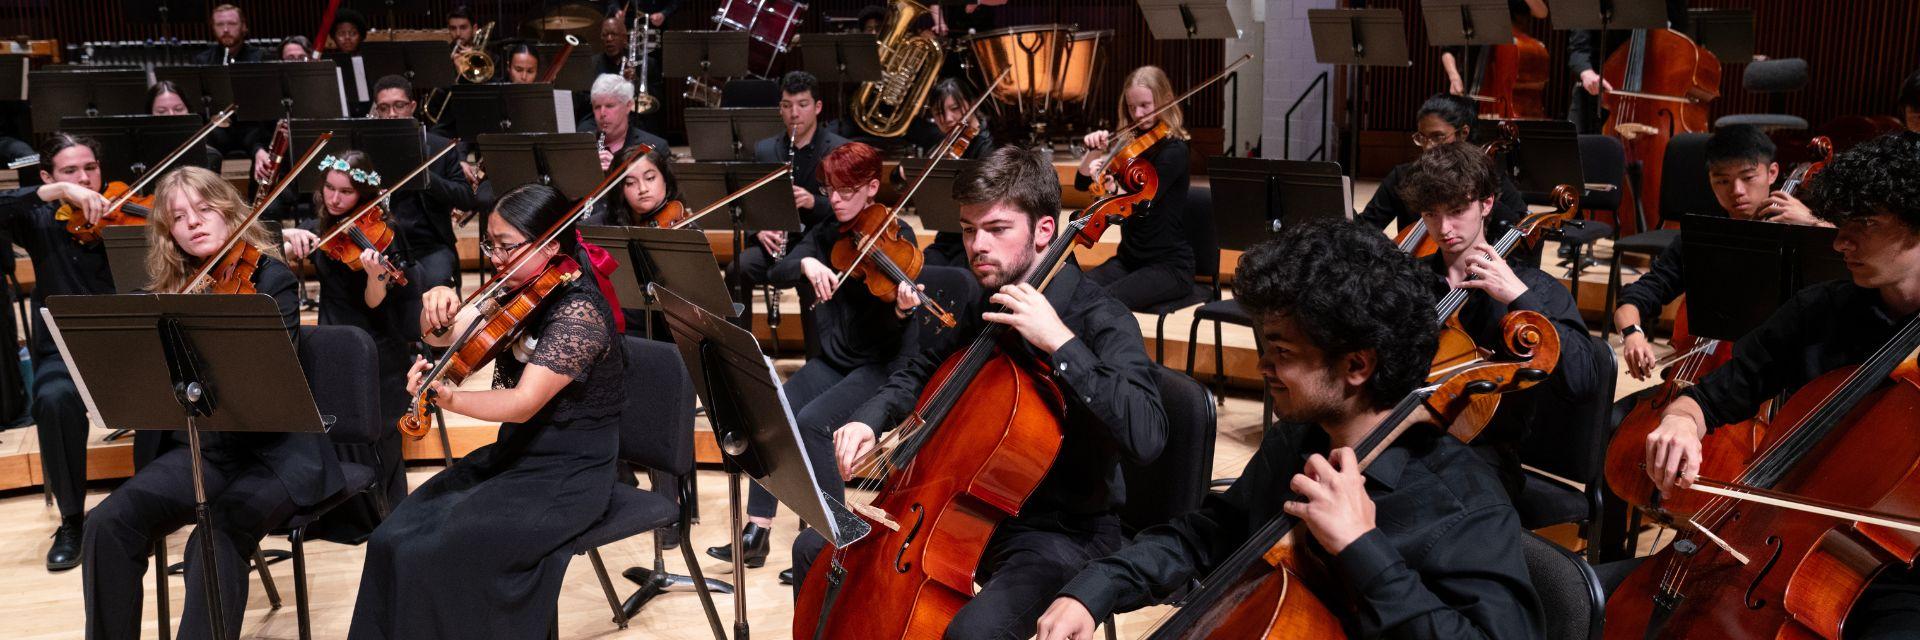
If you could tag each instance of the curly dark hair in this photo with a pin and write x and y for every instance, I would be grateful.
(1874, 177)
(1448, 176)
(1349, 289)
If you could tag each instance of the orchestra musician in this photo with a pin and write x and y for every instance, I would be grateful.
(1870, 193)
(1154, 263)
(1422, 538)
(480, 549)
(613, 118)
(1453, 187)
(349, 30)
(230, 39)
(164, 99)
(802, 146)
(460, 27)
(1741, 172)
(947, 105)
(1442, 120)
(1584, 60)
(522, 65)
(61, 265)
(1089, 343)
(1456, 84)
(1909, 102)
(254, 481)
(296, 48)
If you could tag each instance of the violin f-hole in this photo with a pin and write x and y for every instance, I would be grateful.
(919, 518)
(1756, 603)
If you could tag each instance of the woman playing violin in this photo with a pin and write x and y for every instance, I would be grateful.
(254, 481)
(1155, 261)
(1423, 537)
(494, 527)
(647, 188)
(947, 104)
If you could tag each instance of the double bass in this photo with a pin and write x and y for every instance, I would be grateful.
(985, 432)
(1512, 79)
(1662, 83)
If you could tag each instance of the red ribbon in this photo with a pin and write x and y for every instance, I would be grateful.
(603, 267)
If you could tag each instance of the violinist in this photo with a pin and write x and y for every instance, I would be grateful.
(1584, 61)
(164, 99)
(61, 265)
(1869, 192)
(1423, 538)
(1089, 343)
(648, 186)
(229, 39)
(254, 481)
(862, 338)
(1453, 187)
(1444, 119)
(947, 103)
(1155, 261)
(614, 120)
(494, 528)
(1741, 171)
(424, 219)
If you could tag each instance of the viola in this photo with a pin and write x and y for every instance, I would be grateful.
(354, 236)
(1414, 240)
(1785, 548)
(982, 437)
(1269, 587)
(1663, 84)
(124, 205)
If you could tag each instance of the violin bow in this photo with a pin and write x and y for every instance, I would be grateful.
(374, 202)
(1113, 147)
(238, 233)
(717, 204)
(161, 166)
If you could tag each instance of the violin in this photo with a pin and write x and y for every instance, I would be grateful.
(1457, 348)
(673, 213)
(958, 148)
(1784, 545)
(1414, 240)
(124, 206)
(234, 273)
(1270, 587)
(982, 437)
(1129, 143)
(1663, 83)
(366, 232)
(231, 268)
(503, 314)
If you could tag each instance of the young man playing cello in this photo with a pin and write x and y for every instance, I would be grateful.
(1423, 537)
(1871, 193)
(1091, 346)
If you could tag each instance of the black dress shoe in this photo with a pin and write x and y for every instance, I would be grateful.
(754, 539)
(786, 577)
(65, 553)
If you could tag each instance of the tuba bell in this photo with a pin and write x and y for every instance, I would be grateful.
(473, 63)
(909, 66)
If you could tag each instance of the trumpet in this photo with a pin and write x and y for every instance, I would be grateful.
(643, 102)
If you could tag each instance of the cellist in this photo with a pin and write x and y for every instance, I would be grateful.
(1442, 120)
(1090, 344)
(1871, 194)
(1423, 537)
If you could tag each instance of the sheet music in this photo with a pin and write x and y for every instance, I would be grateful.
(360, 79)
(563, 110)
(93, 412)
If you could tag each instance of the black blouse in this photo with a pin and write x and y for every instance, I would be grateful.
(1158, 234)
(573, 337)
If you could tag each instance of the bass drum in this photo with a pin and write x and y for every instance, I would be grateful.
(1035, 53)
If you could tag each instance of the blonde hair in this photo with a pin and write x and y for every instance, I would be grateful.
(1155, 81)
(168, 265)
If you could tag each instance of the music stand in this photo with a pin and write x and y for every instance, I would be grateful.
(157, 351)
(129, 145)
(937, 212)
(1728, 33)
(729, 133)
(535, 158)
(211, 83)
(844, 59)
(768, 208)
(127, 250)
(396, 146)
(353, 75)
(1607, 15)
(424, 62)
(1739, 271)
(275, 90)
(1190, 19)
(678, 259)
(1357, 38)
(1547, 155)
(87, 92)
(753, 422)
(704, 54)
(577, 71)
(13, 76)
(1288, 192)
(1466, 24)
(504, 108)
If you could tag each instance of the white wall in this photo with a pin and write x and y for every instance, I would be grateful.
(1289, 68)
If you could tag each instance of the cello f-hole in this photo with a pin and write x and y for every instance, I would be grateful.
(1757, 603)
(919, 518)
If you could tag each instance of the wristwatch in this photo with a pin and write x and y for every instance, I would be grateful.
(1629, 331)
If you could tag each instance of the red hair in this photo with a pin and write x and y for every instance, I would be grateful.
(850, 165)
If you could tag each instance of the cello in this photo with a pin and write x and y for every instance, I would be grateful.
(1414, 240)
(1663, 84)
(984, 434)
(1270, 587)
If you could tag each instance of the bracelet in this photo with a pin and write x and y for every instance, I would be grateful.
(1630, 330)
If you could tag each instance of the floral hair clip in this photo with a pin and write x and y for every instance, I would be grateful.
(332, 163)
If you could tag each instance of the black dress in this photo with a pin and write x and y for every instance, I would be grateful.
(480, 550)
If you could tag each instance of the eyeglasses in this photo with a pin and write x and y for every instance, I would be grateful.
(1424, 140)
(492, 250)
(389, 109)
(844, 194)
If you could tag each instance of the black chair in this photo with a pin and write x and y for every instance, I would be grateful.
(1570, 596)
(343, 370)
(1603, 167)
(656, 433)
(1176, 482)
(1563, 466)
(1772, 78)
(1684, 189)
(1226, 311)
(1206, 268)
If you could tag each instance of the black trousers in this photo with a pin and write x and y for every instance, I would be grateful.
(1027, 562)
(245, 499)
(60, 417)
(826, 396)
(1145, 286)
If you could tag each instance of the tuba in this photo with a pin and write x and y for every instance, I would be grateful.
(474, 65)
(909, 66)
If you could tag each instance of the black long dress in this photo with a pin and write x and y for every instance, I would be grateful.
(480, 550)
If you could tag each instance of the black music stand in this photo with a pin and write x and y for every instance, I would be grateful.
(505, 108)
(396, 145)
(1605, 16)
(1290, 192)
(127, 249)
(729, 133)
(131, 144)
(1547, 155)
(1466, 24)
(1356, 38)
(844, 59)
(427, 63)
(57, 93)
(13, 76)
(704, 54)
(353, 76)
(938, 212)
(1190, 19)
(275, 90)
(753, 422)
(1739, 271)
(768, 208)
(530, 158)
(210, 83)
(577, 72)
(678, 259)
(1728, 33)
(158, 351)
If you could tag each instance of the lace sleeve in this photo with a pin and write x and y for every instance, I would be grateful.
(576, 336)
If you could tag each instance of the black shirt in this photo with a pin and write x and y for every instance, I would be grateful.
(214, 54)
(1113, 404)
(424, 218)
(806, 167)
(1821, 328)
(855, 327)
(1158, 234)
(635, 135)
(1444, 560)
(1508, 209)
(1664, 281)
(61, 265)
